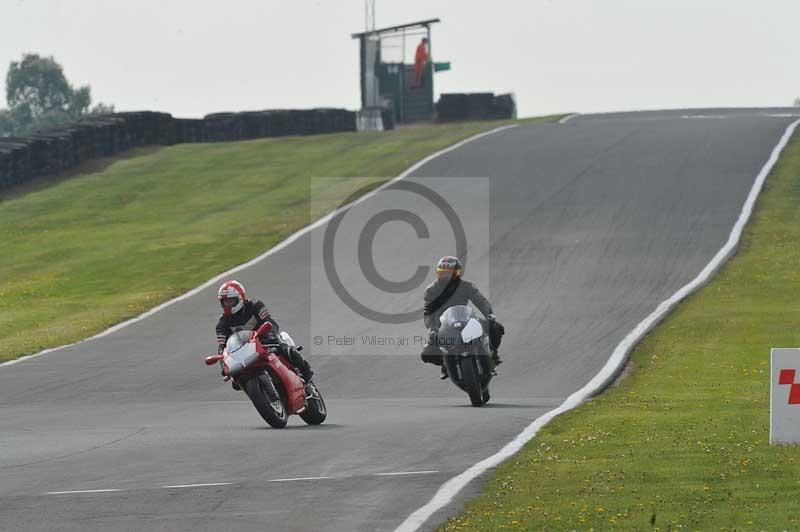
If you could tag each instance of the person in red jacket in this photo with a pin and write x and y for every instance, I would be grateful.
(420, 60)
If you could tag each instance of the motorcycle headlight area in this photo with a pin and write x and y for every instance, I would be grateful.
(471, 331)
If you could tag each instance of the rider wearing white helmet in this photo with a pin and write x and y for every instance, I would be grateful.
(239, 314)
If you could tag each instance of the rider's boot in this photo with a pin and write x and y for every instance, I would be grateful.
(300, 363)
(444, 375)
(306, 372)
(496, 358)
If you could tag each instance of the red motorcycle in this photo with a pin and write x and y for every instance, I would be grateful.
(265, 374)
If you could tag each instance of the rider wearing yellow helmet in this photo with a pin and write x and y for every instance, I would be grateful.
(450, 289)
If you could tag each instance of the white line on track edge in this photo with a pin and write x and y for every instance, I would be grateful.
(567, 118)
(301, 232)
(300, 478)
(615, 363)
(80, 491)
(403, 473)
(204, 485)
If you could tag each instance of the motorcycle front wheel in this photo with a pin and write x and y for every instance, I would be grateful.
(273, 412)
(472, 382)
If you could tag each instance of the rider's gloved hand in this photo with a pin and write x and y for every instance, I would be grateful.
(491, 317)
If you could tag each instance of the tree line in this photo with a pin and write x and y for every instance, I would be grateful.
(39, 97)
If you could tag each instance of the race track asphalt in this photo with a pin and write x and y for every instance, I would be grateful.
(582, 230)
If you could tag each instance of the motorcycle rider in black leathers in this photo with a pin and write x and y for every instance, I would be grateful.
(240, 314)
(450, 290)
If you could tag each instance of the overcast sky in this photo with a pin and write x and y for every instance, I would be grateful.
(193, 57)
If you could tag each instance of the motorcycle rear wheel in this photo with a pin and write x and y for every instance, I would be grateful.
(273, 412)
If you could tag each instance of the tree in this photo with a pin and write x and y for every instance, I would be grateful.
(37, 84)
(797, 102)
(39, 96)
(6, 123)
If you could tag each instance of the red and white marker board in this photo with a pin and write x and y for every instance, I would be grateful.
(784, 396)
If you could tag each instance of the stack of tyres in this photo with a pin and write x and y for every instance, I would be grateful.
(475, 106)
(452, 107)
(5, 164)
(299, 122)
(15, 167)
(347, 121)
(253, 125)
(504, 107)
(221, 127)
(188, 130)
(279, 123)
(55, 150)
(479, 106)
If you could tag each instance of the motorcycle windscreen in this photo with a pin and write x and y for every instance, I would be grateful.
(241, 359)
(237, 340)
(472, 331)
(456, 317)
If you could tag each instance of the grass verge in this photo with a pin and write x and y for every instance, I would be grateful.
(683, 441)
(90, 251)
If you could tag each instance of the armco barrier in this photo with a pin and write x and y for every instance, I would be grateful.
(475, 106)
(56, 150)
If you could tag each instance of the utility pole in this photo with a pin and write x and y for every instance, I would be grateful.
(369, 15)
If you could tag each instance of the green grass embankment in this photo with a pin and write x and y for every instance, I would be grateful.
(90, 251)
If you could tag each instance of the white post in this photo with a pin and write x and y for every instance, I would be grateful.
(784, 396)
